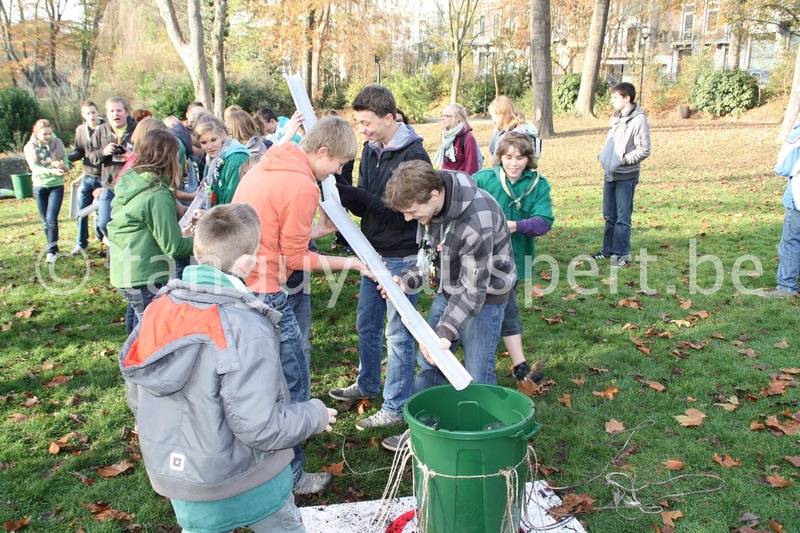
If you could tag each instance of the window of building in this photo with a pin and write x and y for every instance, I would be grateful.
(687, 28)
(496, 26)
(482, 25)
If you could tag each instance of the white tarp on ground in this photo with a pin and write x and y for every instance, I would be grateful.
(357, 517)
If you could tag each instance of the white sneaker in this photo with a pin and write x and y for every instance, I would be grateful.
(312, 483)
(51, 258)
(381, 419)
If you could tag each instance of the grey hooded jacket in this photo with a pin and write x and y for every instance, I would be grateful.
(627, 145)
(204, 381)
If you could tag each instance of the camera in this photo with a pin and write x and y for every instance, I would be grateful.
(119, 149)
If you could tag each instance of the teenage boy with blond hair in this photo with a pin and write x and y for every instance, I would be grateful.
(205, 384)
(283, 190)
(389, 143)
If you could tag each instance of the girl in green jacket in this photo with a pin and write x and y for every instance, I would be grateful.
(144, 234)
(524, 196)
(224, 156)
(45, 155)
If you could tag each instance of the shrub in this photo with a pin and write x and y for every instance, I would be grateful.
(565, 93)
(412, 94)
(271, 91)
(18, 112)
(172, 99)
(722, 92)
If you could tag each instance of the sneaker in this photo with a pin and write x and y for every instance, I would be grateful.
(619, 262)
(77, 251)
(395, 442)
(380, 419)
(51, 258)
(353, 392)
(599, 256)
(776, 293)
(312, 483)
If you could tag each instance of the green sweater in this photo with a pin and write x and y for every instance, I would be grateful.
(42, 176)
(144, 231)
(535, 204)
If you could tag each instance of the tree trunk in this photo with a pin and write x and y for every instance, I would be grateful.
(541, 68)
(318, 47)
(308, 53)
(90, 25)
(218, 57)
(456, 79)
(735, 50)
(793, 109)
(191, 51)
(591, 66)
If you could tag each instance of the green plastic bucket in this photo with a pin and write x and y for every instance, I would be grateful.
(457, 446)
(23, 185)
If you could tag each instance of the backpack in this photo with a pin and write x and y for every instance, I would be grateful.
(788, 164)
(477, 149)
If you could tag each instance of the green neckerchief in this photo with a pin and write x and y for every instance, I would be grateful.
(208, 275)
(517, 200)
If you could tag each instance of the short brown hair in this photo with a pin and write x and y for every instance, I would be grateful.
(249, 163)
(336, 134)
(376, 98)
(157, 152)
(241, 126)
(225, 233)
(117, 100)
(411, 182)
(520, 141)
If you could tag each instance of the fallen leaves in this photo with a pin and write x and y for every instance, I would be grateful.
(776, 426)
(777, 482)
(69, 443)
(794, 459)
(669, 517)
(25, 313)
(730, 405)
(727, 461)
(16, 525)
(655, 385)
(776, 388)
(114, 470)
(674, 464)
(693, 417)
(633, 303)
(571, 505)
(565, 399)
(579, 381)
(57, 381)
(103, 512)
(608, 394)
(781, 345)
(336, 469)
(614, 426)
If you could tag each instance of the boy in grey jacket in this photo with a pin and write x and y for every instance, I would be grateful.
(627, 145)
(205, 384)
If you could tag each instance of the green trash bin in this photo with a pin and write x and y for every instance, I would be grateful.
(23, 185)
(464, 439)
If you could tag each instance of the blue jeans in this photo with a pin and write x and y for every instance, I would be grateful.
(789, 252)
(138, 299)
(104, 211)
(479, 338)
(511, 323)
(617, 212)
(88, 185)
(296, 368)
(399, 342)
(48, 200)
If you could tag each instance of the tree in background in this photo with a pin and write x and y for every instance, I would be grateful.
(87, 35)
(594, 52)
(459, 22)
(541, 69)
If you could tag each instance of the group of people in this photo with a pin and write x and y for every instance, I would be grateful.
(218, 373)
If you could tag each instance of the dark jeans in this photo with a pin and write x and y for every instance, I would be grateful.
(617, 212)
(104, 212)
(138, 299)
(88, 185)
(48, 200)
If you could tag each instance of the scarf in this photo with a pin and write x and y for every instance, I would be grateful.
(516, 200)
(447, 149)
(47, 153)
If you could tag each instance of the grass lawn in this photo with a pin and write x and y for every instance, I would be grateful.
(640, 346)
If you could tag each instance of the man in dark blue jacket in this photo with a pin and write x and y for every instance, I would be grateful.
(389, 143)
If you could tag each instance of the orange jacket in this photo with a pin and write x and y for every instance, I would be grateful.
(283, 191)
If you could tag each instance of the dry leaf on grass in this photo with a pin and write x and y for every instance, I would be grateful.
(782, 345)
(778, 482)
(565, 399)
(730, 405)
(776, 388)
(655, 385)
(668, 517)
(115, 469)
(693, 417)
(727, 461)
(608, 394)
(613, 427)
(335, 469)
(794, 459)
(18, 417)
(579, 381)
(571, 505)
(674, 464)
(16, 525)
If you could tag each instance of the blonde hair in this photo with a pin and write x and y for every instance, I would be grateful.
(157, 152)
(249, 163)
(336, 134)
(205, 122)
(230, 109)
(41, 124)
(225, 233)
(241, 126)
(509, 115)
(147, 124)
(459, 113)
